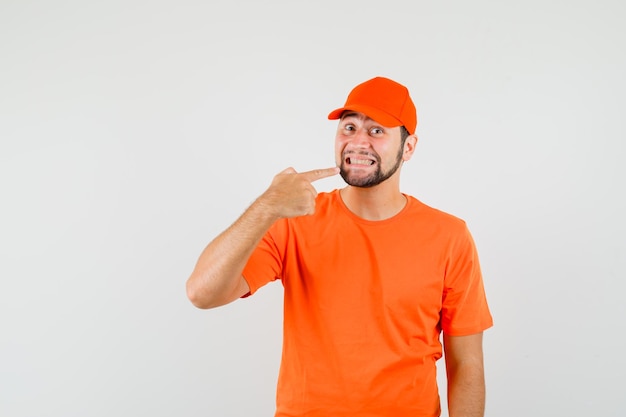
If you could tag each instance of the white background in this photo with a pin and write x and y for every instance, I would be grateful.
(132, 132)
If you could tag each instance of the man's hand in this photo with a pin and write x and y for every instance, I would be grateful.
(292, 194)
(217, 278)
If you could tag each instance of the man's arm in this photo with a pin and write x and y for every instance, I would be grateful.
(466, 377)
(217, 277)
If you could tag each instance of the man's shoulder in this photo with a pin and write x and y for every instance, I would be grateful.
(327, 195)
(433, 214)
(327, 200)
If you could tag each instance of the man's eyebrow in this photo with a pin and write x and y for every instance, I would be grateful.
(347, 114)
(361, 116)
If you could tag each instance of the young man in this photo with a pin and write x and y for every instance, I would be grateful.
(372, 276)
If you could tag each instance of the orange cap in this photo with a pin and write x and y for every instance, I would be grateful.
(382, 100)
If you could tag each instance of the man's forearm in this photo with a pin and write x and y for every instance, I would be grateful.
(466, 390)
(216, 278)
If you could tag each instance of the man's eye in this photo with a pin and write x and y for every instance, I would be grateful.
(376, 131)
(349, 127)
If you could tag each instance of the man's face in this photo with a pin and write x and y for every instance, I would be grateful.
(366, 152)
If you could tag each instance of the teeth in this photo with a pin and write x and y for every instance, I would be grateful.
(361, 161)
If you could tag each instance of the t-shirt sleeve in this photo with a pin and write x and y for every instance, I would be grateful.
(465, 310)
(266, 262)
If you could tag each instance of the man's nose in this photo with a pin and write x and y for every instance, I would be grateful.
(360, 139)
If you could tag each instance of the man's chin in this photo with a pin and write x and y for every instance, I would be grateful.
(361, 181)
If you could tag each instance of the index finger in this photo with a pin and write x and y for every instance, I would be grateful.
(318, 174)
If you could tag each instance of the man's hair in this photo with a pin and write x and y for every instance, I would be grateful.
(403, 135)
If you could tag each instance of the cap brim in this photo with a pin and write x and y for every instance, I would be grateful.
(373, 113)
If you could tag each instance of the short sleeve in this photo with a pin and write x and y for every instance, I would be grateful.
(464, 310)
(266, 262)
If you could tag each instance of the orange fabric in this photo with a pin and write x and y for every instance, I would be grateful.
(382, 100)
(365, 303)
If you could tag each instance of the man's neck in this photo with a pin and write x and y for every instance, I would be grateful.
(380, 202)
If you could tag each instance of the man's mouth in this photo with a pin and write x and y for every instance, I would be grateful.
(359, 159)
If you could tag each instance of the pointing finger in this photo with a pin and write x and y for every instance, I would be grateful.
(318, 174)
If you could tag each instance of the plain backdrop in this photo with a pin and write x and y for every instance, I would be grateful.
(132, 132)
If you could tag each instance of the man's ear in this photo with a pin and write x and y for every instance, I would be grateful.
(409, 147)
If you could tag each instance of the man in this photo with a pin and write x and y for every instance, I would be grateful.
(371, 276)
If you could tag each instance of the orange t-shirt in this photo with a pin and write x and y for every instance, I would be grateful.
(364, 305)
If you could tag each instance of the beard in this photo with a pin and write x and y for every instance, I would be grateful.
(374, 178)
